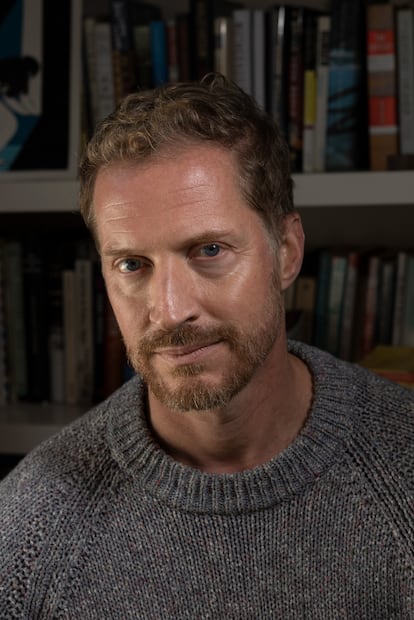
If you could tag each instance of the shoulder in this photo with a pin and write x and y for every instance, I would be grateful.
(379, 412)
(45, 498)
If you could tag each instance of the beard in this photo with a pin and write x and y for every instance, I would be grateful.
(184, 388)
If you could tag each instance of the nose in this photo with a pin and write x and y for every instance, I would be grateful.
(172, 295)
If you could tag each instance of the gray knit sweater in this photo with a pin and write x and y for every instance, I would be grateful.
(99, 523)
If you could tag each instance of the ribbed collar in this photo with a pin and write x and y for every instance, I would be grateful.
(318, 446)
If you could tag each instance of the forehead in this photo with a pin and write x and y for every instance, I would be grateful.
(173, 191)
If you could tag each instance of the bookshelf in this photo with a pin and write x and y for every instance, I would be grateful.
(355, 208)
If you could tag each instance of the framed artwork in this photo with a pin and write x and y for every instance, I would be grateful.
(40, 88)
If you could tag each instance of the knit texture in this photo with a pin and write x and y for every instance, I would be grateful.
(99, 523)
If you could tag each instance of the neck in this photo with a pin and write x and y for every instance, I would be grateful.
(259, 422)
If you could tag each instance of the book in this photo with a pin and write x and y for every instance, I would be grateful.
(278, 65)
(16, 298)
(4, 389)
(224, 46)
(309, 91)
(37, 320)
(123, 52)
(183, 46)
(202, 15)
(142, 14)
(172, 50)
(104, 72)
(408, 309)
(322, 72)
(243, 49)
(304, 301)
(391, 362)
(159, 52)
(259, 57)
(84, 333)
(382, 85)
(336, 287)
(386, 295)
(296, 86)
(347, 320)
(399, 298)
(405, 84)
(70, 342)
(322, 297)
(346, 118)
(370, 306)
(89, 69)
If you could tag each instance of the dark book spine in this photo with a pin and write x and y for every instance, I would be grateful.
(37, 332)
(346, 142)
(296, 86)
(124, 65)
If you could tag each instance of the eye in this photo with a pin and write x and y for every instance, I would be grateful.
(210, 250)
(130, 265)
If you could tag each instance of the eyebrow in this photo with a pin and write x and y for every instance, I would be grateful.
(209, 236)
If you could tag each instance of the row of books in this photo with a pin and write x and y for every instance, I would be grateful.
(59, 341)
(341, 85)
(350, 301)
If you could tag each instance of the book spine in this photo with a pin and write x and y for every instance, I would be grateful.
(84, 329)
(70, 343)
(278, 20)
(16, 302)
(37, 322)
(295, 87)
(405, 57)
(223, 46)
(159, 52)
(399, 299)
(349, 306)
(309, 92)
(122, 49)
(242, 49)
(335, 299)
(172, 50)
(382, 88)
(183, 46)
(345, 138)
(370, 306)
(104, 73)
(259, 59)
(322, 73)
(4, 385)
(90, 68)
(408, 311)
(202, 50)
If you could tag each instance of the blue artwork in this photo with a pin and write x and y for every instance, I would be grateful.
(20, 75)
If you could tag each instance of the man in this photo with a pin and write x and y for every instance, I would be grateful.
(238, 475)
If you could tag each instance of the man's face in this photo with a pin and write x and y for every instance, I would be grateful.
(191, 274)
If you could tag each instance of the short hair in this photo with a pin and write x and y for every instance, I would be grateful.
(215, 111)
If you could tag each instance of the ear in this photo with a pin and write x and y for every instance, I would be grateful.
(291, 250)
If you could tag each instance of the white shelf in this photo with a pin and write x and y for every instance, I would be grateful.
(38, 196)
(25, 425)
(347, 189)
(344, 189)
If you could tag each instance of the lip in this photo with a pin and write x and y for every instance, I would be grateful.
(189, 353)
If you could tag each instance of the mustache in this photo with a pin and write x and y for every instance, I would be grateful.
(186, 335)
